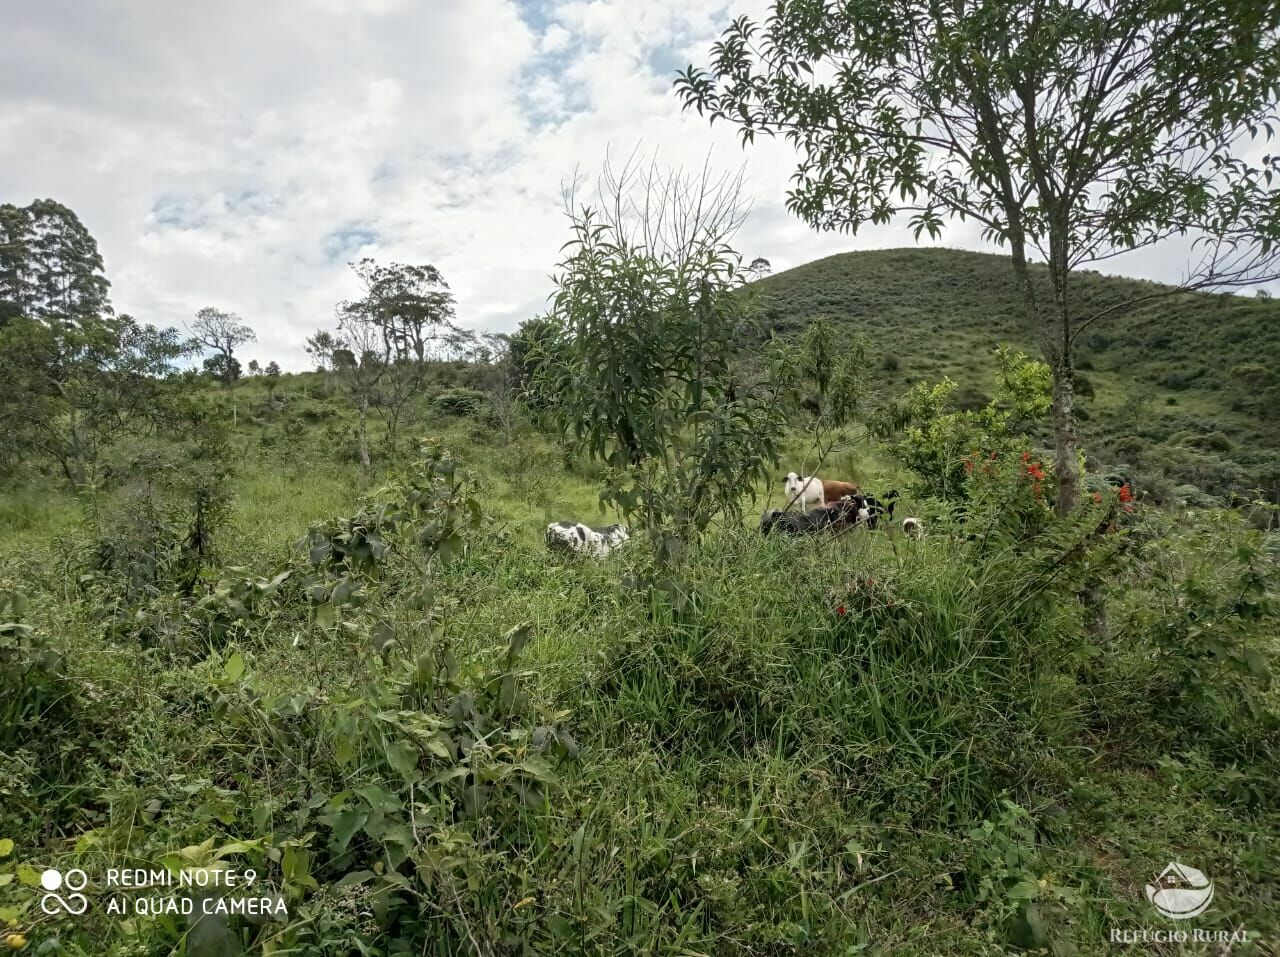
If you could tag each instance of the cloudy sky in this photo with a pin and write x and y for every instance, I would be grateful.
(238, 153)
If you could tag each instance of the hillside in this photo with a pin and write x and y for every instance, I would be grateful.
(1183, 389)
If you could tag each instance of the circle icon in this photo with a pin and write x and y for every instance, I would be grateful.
(51, 879)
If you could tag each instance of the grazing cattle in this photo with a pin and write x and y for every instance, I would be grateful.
(913, 528)
(877, 509)
(871, 509)
(824, 518)
(803, 489)
(585, 540)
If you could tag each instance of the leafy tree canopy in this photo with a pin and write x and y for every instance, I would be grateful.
(50, 267)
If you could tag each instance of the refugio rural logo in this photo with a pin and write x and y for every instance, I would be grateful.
(1180, 892)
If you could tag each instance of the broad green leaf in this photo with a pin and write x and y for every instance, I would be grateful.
(233, 669)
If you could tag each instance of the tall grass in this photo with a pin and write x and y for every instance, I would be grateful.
(859, 744)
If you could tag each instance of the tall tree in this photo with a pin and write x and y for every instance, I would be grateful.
(50, 267)
(409, 310)
(321, 348)
(411, 306)
(222, 333)
(1072, 130)
(359, 359)
(530, 348)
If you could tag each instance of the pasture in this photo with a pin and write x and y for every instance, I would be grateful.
(855, 743)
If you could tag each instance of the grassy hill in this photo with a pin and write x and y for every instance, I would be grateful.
(1183, 389)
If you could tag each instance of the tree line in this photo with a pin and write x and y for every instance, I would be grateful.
(79, 377)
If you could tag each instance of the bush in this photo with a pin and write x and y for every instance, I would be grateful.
(460, 402)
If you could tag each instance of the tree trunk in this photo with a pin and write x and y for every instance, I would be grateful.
(365, 462)
(75, 463)
(1066, 460)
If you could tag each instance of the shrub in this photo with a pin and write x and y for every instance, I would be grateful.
(460, 402)
(35, 696)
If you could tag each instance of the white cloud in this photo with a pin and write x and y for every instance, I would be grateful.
(237, 153)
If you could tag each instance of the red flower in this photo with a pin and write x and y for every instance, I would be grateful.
(968, 467)
(1035, 471)
(1026, 456)
(1097, 498)
(840, 611)
(1126, 495)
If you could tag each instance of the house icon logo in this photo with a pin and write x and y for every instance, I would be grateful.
(1181, 892)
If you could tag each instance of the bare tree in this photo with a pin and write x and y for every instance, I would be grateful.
(358, 356)
(676, 216)
(222, 333)
(499, 380)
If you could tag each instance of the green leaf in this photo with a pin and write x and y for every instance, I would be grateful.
(344, 825)
(6, 846)
(325, 616)
(1024, 891)
(517, 638)
(382, 637)
(403, 756)
(353, 877)
(233, 668)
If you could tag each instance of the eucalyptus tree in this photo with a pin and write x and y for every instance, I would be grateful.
(1073, 131)
(50, 267)
(411, 306)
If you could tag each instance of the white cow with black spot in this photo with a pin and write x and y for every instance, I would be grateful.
(582, 539)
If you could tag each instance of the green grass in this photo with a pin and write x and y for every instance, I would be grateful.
(759, 774)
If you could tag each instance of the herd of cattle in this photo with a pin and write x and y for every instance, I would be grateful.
(813, 505)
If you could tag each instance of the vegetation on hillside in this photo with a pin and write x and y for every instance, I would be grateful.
(1071, 133)
(1178, 391)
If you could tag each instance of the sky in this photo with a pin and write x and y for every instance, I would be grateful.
(239, 153)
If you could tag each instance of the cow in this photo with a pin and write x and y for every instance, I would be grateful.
(584, 540)
(833, 517)
(869, 509)
(913, 528)
(803, 489)
(833, 491)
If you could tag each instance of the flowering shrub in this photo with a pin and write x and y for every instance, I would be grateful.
(945, 448)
